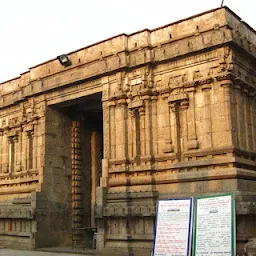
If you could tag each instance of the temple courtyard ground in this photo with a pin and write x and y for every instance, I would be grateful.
(54, 252)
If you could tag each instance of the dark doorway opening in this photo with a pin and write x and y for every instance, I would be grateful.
(87, 153)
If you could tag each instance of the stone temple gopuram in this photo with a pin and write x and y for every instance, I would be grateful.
(93, 144)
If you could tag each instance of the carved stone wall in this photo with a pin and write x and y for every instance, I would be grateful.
(179, 115)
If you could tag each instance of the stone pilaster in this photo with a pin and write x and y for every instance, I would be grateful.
(167, 122)
(76, 180)
(251, 100)
(238, 116)
(191, 125)
(207, 117)
(226, 85)
(154, 128)
(112, 108)
(121, 129)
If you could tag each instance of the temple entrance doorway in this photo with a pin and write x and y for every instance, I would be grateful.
(86, 155)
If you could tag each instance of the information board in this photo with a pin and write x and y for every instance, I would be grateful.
(173, 227)
(214, 226)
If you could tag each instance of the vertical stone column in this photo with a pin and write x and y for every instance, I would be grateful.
(34, 150)
(246, 113)
(30, 162)
(154, 125)
(207, 116)
(238, 114)
(144, 131)
(173, 125)
(226, 85)
(167, 124)
(148, 127)
(175, 120)
(15, 152)
(252, 101)
(233, 112)
(19, 152)
(106, 144)
(241, 118)
(11, 155)
(76, 180)
(121, 129)
(130, 136)
(134, 142)
(112, 106)
(191, 124)
(5, 157)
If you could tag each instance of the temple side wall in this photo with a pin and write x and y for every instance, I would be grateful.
(54, 203)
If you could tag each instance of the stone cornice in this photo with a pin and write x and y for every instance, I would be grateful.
(109, 64)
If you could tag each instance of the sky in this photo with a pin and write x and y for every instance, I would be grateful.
(34, 31)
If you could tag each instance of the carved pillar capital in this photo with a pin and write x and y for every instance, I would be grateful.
(206, 87)
(226, 83)
(141, 111)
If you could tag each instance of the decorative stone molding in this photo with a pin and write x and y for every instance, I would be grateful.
(14, 212)
(132, 211)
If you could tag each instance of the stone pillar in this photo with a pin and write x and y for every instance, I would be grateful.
(175, 128)
(95, 171)
(241, 117)
(133, 118)
(136, 141)
(11, 154)
(167, 122)
(226, 85)
(106, 144)
(154, 129)
(238, 115)
(234, 116)
(121, 129)
(246, 117)
(34, 150)
(130, 134)
(144, 133)
(148, 126)
(191, 124)
(251, 99)
(207, 117)
(18, 152)
(5, 157)
(76, 180)
(173, 124)
(112, 107)
(30, 162)
(15, 152)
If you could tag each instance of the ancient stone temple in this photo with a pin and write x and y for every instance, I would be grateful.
(93, 144)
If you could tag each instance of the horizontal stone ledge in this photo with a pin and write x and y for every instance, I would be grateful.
(18, 190)
(15, 233)
(14, 212)
(186, 164)
(214, 174)
(18, 181)
(125, 237)
(131, 195)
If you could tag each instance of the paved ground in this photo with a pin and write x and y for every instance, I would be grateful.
(8, 252)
